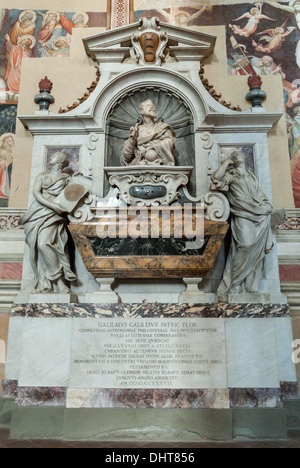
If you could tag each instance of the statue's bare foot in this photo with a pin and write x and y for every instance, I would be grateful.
(251, 290)
(43, 291)
(62, 288)
(64, 291)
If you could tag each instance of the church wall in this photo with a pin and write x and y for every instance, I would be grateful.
(221, 70)
(72, 72)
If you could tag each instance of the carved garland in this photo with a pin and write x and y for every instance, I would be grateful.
(90, 89)
(214, 94)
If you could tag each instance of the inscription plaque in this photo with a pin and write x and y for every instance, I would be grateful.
(148, 353)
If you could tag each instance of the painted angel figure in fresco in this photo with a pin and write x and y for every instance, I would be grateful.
(274, 37)
(254, 17)
(293, 7)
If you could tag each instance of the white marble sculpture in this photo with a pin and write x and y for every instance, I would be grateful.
(250, 226)
(46, 232)
(152, 143)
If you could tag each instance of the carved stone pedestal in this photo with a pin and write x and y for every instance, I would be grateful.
(161, 372)
(193, 295)
(105, 295)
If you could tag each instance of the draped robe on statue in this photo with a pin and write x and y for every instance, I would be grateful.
(47, 238)
(160, 137)
(251, 232)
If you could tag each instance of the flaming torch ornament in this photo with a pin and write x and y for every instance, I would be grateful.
(44, 98)
(256, 95)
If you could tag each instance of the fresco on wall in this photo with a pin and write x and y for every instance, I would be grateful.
(8, 115)
(30, 34)
(262, 37)
(35, 33)
(7, 143)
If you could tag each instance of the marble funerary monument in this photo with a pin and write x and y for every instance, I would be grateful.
(115, 314)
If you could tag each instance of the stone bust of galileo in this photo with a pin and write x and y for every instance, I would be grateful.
(152, 143)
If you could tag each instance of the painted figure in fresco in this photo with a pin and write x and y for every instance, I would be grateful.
(292, 93)
(46, 232)
(51, 30)
(16, 53)
(152, 143)
(274, 37)
(250, 225)
(3, 18)
(293, 7)
(267, 66)
(253, 17)
(79, 20)
(181, 17)
(295, 172)
(7, 143)
(241, 65)
(61, 47)
(25, 26)
(295, 113)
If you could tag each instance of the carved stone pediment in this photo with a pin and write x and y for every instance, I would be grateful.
(147, 42)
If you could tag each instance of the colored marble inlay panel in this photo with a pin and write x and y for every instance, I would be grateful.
(11, 270)
(289, 272)
(9, 389)
(290, 224)
(41, 396)
(147, 398)
(255, 398)
(222, 310)
(290, 390)
(10, 222)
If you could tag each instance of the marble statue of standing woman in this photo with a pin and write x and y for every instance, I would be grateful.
(46, 231)
(250, 226)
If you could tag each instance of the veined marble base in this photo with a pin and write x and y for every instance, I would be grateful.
(243, 352)
(47, 298)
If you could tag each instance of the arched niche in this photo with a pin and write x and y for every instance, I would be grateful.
(169, 108)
